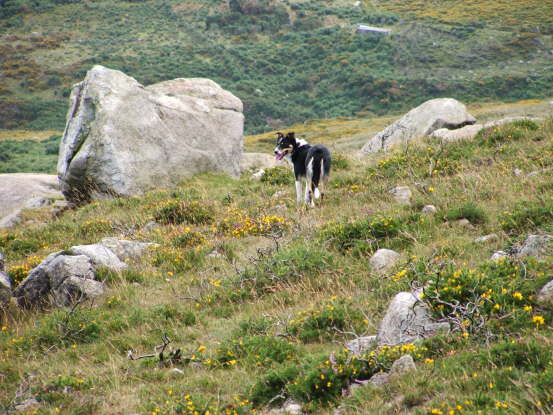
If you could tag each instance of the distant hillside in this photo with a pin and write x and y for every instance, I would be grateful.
(288, 60)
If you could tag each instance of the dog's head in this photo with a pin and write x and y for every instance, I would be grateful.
(286, 144)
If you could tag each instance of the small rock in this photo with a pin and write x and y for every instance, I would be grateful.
(258, 175)
(292, 407)
(215, 254)
(177, 370)
(27, 405)
(379, 379)
(403, 365)
(486, 238)
(5, 284)
(535, 245)
(545, 296)
(464, 223)
(517, 172)
(60, 206)
(401, 194)
(429, 210)
(150, 226)
(497, 255)
(361, 345)
(10, 220)
(280, 207)
(384, 259)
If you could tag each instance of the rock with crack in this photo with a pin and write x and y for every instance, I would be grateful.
(408, 320)
(419, 122)
(535, 245)
(123, 139)
(55, 279)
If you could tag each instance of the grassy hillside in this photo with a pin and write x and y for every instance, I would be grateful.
(287, 60)
(283, 289)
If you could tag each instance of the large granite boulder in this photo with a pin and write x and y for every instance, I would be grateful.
(419, 122)
(25, 191)
(123, 139)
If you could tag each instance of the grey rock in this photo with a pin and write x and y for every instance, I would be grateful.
(65, 266)
(403, 365)
(5, 283)
(486, 238)
(379, 379)
(517, 172)
(401, 194)
(384, 259)
(535, 245)
(419, 122)
(27, 405)
(429, 210)
(58, 277)
(407, 320)
(123, 139)
(497, 255)
(292, 407)
(100, 255)
(545, 296)
(252, 161)
(35, 288)
(362, 344)
(125, 249)
(75, 288)
(280, 194)
(463, 223)
(18, 189)
(470, 131)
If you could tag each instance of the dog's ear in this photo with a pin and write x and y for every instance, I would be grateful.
(292, 137)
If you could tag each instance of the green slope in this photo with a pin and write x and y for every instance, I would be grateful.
(288, 61)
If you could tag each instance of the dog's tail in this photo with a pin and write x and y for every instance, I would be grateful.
(321, 169)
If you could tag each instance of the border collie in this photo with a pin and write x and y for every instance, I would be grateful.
(311, 163)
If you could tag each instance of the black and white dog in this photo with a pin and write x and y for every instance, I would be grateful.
(311, 163)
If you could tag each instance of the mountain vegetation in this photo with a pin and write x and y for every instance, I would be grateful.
(260, 297)
(289, 61)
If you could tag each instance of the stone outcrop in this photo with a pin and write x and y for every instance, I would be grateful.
(5, 284)
(66, 276)
(470, 131)
(545, 296)
(25, 191)
(407, 320)
(123, 139)
(535, 245)
(419, 122)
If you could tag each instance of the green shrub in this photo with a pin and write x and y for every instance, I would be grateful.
(503, 134)
(278, 176)
(524, 218)
(178, 211)
(271, 386)
(174, 312)
(258, 350)
(188, 239)
(325, 321)
(362, 235)
(339, 162)
(470, 211)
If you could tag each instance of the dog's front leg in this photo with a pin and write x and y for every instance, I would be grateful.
(298, 191)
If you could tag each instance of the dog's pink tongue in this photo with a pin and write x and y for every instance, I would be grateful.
(279, 156)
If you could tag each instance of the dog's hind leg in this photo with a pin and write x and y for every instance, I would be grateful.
(298, 190)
